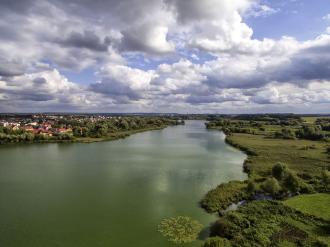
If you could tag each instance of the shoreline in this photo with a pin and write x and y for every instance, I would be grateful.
(86, 140)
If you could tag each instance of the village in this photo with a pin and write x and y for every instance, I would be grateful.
(46, 125)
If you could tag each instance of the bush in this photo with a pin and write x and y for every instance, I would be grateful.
(278, 171)
(291, 182)
(271, 186)
(260, 223)
(325, 178)
(286, 134)
(216, 242)
(223, 196)
(180, 229)
(251, 187)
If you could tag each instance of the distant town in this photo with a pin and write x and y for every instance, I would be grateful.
(47, 125)
(77, 127)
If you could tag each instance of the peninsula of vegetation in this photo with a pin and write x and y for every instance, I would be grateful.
(288, 155)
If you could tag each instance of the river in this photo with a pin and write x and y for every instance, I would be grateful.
(111, 194)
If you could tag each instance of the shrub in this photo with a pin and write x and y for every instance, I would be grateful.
(325, 178)
(278, 171)
(251, 187)
(217, 242)
(291, 182)
(180, 229)
(271, 186)
(224, 195)
(286, 134)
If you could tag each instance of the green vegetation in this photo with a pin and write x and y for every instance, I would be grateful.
(180, 229)
(217, 242)
(314, 204)
(224, 195)
(270, 223)
(84, 129)
(307, 158)
(287, 155)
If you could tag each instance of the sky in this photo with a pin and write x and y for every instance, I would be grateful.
(182, 56)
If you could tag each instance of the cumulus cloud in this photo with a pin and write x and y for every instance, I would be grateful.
(41, 40)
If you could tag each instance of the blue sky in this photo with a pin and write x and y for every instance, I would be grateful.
(165, 56)
(301, 19)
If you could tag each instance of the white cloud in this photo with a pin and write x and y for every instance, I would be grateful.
(241, 73)
(261, 10)
(326, 17)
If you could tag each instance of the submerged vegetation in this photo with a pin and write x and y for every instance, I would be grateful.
(181, 229)
(287, 156)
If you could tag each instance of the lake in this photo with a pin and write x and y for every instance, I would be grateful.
(111, 193)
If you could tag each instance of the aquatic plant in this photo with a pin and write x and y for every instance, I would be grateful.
(180, 229)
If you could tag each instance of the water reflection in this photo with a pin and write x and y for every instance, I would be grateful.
(112, 193)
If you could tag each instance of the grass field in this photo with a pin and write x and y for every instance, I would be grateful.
(315, 204)
(312, 120)
(302, 156)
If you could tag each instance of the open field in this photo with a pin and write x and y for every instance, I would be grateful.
(303, 156)
(314, 204)
(312, 120)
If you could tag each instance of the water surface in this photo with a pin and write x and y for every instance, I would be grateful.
(110, 193)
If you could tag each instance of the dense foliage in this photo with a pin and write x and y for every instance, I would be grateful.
(86, 128)
(269, 223)
(224, 195)
(217, 242)
(181, 229)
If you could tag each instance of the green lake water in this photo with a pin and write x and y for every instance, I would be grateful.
(111, 194)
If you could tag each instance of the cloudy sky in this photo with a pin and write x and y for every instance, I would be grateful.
(185, 56)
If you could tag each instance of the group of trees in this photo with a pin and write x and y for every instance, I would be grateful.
(31, 137)
(285, 133)
(310, 132)
(86, 128)
(292, 128)
(283, 182)
(104, 127)
(324, 123)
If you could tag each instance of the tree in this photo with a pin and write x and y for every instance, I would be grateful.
(325, 176)
(278, 171)
(251, 187)
(291, 182)
(271, 186)
(124, 124)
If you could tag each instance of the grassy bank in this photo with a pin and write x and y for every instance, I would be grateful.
(315, 204)
(307, 158)
(285, 157)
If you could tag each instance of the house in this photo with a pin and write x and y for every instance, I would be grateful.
(63, 131)
(28, 128)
